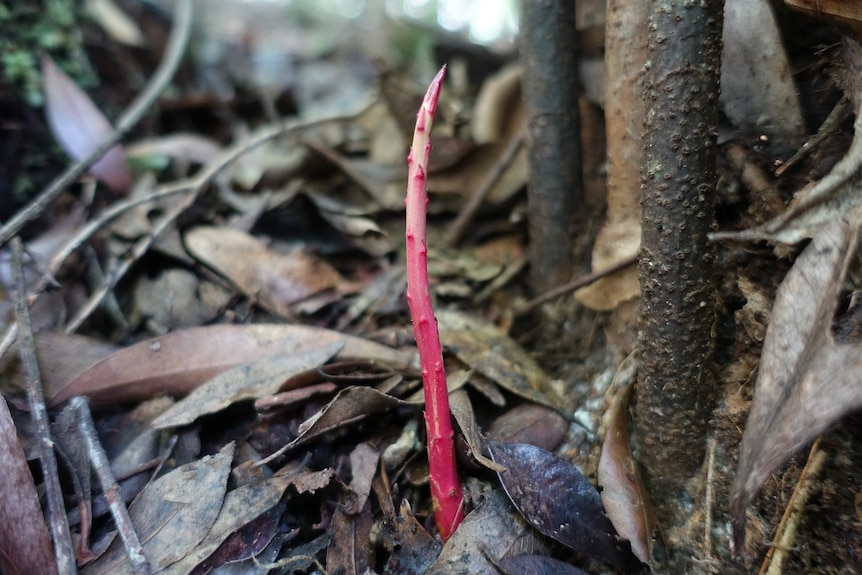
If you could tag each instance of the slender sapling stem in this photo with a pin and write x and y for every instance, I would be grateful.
(446, 492)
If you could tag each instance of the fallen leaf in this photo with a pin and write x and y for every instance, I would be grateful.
(364, 461)
(462, 411)
(80, 127)
(349, 406)
(274, 279)
(492, 526)
(349, 551)
(178, 362)
(247, 381)
(240, 506)
(807, 381)
(412, 549)
(530, 423)
(537, 565)
(483, 347)
(624, 494)
(555, 498)
(25, 546)
(173, 514)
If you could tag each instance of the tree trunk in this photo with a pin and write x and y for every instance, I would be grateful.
(548, 52)
(675, 390)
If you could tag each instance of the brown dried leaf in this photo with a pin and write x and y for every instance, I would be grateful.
(412, 548)
(624, 495)
(349, 551)
(80, 127)
(483, 347)
(25, 546)
(176, 363)
(275, 280)
(806, 380)
(462, 411)
(247, 381)
(173, 514)
(530, 423)
(349, 406)
(60, 355)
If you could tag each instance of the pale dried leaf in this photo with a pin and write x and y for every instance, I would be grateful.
(173, 514)
(497, 527)
(483, 347)
(178, 362)
(116, 23)
(806, 380)
(275, 280)
(80, 127)
(240, 506)
(252, 380)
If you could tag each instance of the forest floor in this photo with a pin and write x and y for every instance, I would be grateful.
(228, 291)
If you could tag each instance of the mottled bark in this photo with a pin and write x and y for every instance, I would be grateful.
(548, 53)
(675, 391)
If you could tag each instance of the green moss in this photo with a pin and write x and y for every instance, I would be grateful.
(32, 29)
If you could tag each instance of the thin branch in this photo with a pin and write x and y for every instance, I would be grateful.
(102, 467)
(173, 54)
(468, 211)
(586, 280)
(57, 520)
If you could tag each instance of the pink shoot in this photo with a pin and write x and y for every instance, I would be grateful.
(447, 495)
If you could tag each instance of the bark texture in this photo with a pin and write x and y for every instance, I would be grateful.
(549, 56)
(675, 384)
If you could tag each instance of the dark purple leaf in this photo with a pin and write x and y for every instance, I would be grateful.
(555, 498)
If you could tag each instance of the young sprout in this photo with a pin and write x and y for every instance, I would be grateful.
(446, 493)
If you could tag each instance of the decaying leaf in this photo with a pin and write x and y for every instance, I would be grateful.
(247, 381)
(80, 127)
(555, 498)
(493, 526)
(25, 546)
(483, 347)
(176, 363)
(240, 506)
(173, 514)
(349, 406)
(806, 381)
(274, 279)
(462, 411)
(624, 495)
(413, 549)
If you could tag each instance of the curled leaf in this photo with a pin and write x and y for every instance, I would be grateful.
(807, 380)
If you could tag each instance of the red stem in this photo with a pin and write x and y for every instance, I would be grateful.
(446, 492)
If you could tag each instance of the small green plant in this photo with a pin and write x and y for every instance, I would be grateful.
(447, 494)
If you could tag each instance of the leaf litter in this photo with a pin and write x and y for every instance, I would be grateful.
(291, 233)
